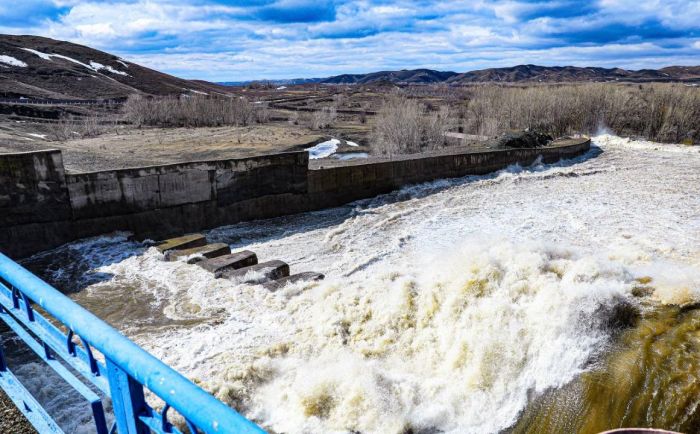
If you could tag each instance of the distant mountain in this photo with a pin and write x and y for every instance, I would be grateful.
(413, 76)
(522, 74)
(550, 74)
(281, 82)
(37, 67)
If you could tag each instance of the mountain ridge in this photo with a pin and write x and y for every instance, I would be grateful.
(523, 74)
(514, 74)
(39, 67)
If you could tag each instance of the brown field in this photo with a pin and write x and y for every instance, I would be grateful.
(383, 118)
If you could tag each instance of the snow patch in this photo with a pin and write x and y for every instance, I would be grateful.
(98, 66)
(349, 143)
(123, 63)
(38, 53)
(9, 60)
(40, 136)
(323, 149)
(282, 88)
(93, 66)
(198, 91)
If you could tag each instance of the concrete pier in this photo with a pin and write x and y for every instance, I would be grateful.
(208, 251)
(180, 243)
(270, 270)
(229, 262)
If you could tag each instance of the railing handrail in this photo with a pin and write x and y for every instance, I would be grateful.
(205, 411)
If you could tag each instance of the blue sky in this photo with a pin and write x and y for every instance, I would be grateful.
(224, 40)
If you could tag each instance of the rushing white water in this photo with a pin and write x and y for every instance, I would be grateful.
(446, 305)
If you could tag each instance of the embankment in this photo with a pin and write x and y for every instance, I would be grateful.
(42, 206)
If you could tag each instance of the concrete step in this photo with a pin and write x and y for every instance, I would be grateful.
(294, 278)
(181, 243)
(205, 252)
(270, 270)
(229, 262)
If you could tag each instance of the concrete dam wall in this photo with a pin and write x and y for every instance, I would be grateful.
(42, 206)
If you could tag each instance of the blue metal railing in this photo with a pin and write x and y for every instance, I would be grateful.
(122, 375)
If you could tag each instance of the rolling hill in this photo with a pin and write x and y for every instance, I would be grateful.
(37, 67)
(414, 76)
(522, 74)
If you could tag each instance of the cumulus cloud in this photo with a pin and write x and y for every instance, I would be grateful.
(246, 39)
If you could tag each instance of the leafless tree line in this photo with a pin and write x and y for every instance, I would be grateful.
(70, 127)
(317, 120)
(193, 111)
(659, 112)
(405, 126)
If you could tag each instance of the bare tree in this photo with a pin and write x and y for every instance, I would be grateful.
(661, 112)
(193, 111)
(403, 126)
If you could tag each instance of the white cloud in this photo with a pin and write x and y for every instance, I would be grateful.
(188, 39)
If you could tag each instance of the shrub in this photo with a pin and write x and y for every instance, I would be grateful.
(193, 111)
(323, 118)
(403, 126)
(661, 112)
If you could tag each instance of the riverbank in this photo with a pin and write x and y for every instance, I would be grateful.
(45, 207)
(11, 419)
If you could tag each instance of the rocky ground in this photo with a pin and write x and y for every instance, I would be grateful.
(11, 419)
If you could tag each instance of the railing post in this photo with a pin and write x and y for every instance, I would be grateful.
(127, 400)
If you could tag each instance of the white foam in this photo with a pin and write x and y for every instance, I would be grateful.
(445, 304)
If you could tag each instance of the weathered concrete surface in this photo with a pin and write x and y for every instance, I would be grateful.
(11, 419)
(229, 262)
(41, 207)
(32, 188)
(294, 278)
(270, 270)
(205, 252)
(181, 243)
(224, 182)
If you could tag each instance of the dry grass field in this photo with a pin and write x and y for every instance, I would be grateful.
(384, 118)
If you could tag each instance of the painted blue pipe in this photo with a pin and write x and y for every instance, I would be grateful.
(206, 412)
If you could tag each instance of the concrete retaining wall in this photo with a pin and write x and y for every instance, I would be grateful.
(41, 207)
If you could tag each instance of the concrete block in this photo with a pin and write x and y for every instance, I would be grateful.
(271, 270)
(232, 261)
(294, 278)
(181, 243)
(205, 252)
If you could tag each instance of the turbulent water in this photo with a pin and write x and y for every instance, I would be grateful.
(552, 298)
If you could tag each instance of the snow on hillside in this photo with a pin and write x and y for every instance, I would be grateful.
(9, 60)
(94, 66)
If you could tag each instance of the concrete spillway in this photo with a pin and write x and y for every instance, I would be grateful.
(465, 306)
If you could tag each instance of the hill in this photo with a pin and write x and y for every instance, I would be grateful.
(557, 74)
(37, 67)
(522, 74)
(413, 76)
